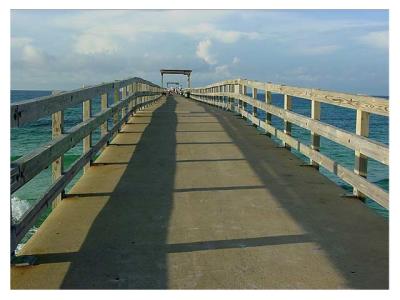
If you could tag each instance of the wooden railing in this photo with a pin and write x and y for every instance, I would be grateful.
(223, 94)
(129, 95)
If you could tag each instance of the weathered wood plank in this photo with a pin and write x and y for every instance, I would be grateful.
(361, 161)
(87, 141)
(103, 107)
(123, 94)
(254, 95)
(369, 104)
(315, 138)
(24, 112)
(57, 167)
(287, 126)
(268, 100)
(116, 100)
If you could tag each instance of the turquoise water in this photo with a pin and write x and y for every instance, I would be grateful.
(29, 137)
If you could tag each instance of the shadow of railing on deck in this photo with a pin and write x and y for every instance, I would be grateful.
(124, 246)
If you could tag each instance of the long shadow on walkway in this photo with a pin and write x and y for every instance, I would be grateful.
(354, 239)
(125, 247)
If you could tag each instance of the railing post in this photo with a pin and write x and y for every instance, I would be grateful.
(225, 89)
(104, 106)
(229, 90)
(57, 167)
(87, 141)
(254, 94)
(217, 97)
(144, 97)
(141, 97)
(212, 97)
(220, 98)
(236, 90)
(130, 92)
(361, 161)
(116, 100)
(232, 99)
(315, 138)
(123, 109)
(268, 101)
(287, 105)
(244, 104)
(136, 89)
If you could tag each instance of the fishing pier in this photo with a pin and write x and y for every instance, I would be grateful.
(191, 192)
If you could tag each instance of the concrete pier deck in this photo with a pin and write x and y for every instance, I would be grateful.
(188, 196)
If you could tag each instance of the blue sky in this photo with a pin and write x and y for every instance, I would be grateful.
(343, 50)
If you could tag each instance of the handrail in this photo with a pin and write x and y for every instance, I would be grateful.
(224, 93)
(27, 111)
(369, 104)
(136, 94)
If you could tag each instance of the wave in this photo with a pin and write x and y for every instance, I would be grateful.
(18, 208)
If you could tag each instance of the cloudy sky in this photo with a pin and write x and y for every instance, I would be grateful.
(344, 50)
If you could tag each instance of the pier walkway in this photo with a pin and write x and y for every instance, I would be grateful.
(189, 196)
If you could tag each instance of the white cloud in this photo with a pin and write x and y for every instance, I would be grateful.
(203, 52)
(73, 47)
(210, 31)
(32, 55)
(89, 43)
(376, 39)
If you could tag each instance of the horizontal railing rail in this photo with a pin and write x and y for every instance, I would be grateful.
(136, 93)
(369, 104)
(24, 112)
(224, 94)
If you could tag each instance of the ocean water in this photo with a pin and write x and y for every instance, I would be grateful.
(29, 137)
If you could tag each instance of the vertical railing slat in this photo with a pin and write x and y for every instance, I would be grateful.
(124, 93)
(254, 95)
(104, 106)
(315, 138)
(287, 127)
(361, 161)
(87, 141)
(268, 100)
(116, 100)
(57, 167)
